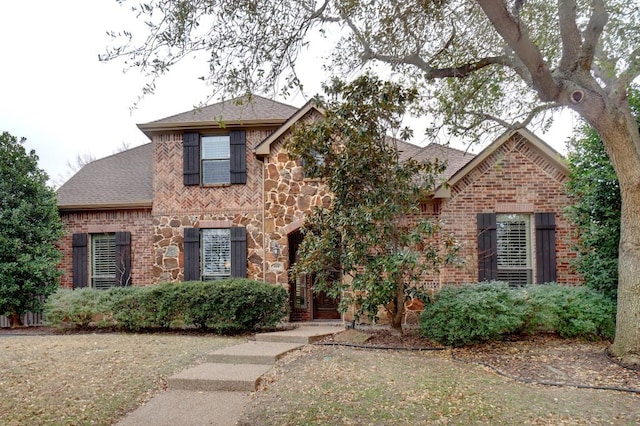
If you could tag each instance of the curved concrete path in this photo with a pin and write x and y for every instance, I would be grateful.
(215, 392)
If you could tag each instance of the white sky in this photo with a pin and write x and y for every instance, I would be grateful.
(55, 92)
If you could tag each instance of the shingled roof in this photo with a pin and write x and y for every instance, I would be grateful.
(454, 158)
(241, 111)
(122, 180)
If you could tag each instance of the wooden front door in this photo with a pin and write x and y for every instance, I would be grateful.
(325, 307)
(305, 304)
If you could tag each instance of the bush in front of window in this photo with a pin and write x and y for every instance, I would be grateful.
(225, 306)
(472, 313)
(476, 313)
(580, 312)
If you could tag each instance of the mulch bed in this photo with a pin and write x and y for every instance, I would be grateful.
(542, 359)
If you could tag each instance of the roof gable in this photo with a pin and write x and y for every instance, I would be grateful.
(454, 158)
(554, 161)
(122, 180)
(240, 111)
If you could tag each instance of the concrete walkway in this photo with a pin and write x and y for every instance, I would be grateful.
(215, 392)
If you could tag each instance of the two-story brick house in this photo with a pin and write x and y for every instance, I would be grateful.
(215, 194)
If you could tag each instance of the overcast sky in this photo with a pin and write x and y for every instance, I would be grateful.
(55, 92)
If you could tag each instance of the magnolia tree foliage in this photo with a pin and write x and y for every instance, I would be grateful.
(480, 65)
(368, 232)
(29, 229)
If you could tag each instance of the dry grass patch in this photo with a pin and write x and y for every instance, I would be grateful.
(90, 378)
(328, 385)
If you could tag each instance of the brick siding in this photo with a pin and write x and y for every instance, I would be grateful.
(137, 222)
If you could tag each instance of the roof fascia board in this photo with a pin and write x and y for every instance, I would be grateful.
(150, 128)
(444, 191)
(264, 147)
(142, 204)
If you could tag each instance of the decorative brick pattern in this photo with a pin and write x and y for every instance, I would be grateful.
(172, 197)
(514, 175)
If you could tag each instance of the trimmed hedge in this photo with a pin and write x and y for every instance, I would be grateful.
(225, 306)
(468, 314)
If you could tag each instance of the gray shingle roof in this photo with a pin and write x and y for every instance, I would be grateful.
(238, 111)
(454, 158)
(121, 180)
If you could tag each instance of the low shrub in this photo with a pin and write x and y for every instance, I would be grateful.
(570, 311)
(225, 306)
(77, 308)
(462, 315)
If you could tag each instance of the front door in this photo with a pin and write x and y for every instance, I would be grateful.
(321, 306)
(325, 307)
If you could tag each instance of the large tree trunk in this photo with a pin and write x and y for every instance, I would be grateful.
(619, 131)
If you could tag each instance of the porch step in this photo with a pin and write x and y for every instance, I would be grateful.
(252, 353)
(210, 377)
(302, 335)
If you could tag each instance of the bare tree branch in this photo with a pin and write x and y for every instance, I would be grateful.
(627, 76)
(570, 35)
(592, 34)
(517, 38)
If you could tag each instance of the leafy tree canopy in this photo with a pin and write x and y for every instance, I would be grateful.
(365, 232)
(29, 229)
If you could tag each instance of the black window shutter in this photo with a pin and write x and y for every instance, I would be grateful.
(123, 259)
(239, 252)
(191, 158)
(79, 261)
(545, 247)
(238, 149)
(191, 254)
(487, 247)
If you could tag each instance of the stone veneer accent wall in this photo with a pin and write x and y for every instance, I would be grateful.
(137, 222)
(289, 198)
(513, 179)
(177, 206)
(168, 241)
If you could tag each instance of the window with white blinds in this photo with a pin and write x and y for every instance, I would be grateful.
(216, 253)
(514, 248)
(103, 261)
(216, 159)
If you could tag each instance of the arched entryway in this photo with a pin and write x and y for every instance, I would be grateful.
(305, 304)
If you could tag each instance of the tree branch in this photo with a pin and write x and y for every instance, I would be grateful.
(570, 35)
(627, 76)
(592, 34)
(517, 38)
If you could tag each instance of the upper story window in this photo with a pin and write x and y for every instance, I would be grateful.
(216, 159)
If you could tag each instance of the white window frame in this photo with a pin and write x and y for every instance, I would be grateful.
(514, 248)
(103, 270)
(215, 252)
(215, 159)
